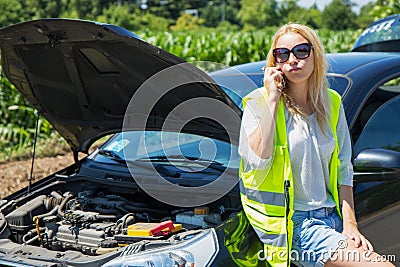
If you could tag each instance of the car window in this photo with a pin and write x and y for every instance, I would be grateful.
(339, 83)
(383, 34)
(381, 119)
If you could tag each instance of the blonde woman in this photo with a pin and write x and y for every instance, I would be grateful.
(296, 170)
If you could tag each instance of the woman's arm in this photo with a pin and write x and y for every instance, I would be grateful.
(350, 226)
(345, 177)
(261, 140)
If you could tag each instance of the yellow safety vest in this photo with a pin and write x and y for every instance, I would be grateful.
(268, 208)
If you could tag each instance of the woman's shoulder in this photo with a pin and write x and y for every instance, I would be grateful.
(260, 92)
(335, 95)
(256, 97)
(335, 98)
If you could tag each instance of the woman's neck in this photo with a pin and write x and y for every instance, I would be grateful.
(299, 94)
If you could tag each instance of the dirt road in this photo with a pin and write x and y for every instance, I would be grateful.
(14, 175)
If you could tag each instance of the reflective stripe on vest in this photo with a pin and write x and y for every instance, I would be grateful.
(262, 191)
(270, 198)
(277, 240)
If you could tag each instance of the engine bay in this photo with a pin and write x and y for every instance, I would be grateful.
(98, 218)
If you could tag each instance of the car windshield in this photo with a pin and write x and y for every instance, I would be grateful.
(386, 30)
(170, 146)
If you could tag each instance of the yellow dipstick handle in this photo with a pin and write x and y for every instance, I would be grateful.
(36, 221)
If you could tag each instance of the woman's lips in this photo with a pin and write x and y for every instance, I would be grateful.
(295, 70)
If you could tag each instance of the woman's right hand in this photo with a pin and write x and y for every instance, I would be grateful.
(273, 77)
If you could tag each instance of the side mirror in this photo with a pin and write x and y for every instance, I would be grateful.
(377, 159)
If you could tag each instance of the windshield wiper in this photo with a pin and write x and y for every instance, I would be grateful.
(112, 155)
(159, 168)
(200, 161)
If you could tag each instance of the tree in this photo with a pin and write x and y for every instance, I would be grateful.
(384, 8)
(313, 18)
(187, 22)
(169, 9)
(365, 18)
(11, 12)
(212, 12)
(86, 9)
(132, 17)
(338, 16)
(148, 21)
(44, 8)
(121, 15)
(289, 11)
(258, 13)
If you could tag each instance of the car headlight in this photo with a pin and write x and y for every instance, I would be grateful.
(199, 250)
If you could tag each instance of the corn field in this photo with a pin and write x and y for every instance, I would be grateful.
(232, 48)
(18, 118)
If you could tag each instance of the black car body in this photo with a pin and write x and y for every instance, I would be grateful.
(84, 78)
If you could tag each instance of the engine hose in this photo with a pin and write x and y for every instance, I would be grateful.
(121, 208)
(30, 241)
(38, 218)
(52, 212)
(107, 217)
(65, 200)
(30, 234)
(125, 220)
(55, 195)
(107, 211)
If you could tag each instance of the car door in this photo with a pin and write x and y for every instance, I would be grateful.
(376, 137)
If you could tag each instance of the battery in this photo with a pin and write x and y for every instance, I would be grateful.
(153, 229)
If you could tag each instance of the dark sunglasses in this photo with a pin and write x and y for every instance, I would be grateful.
(300, 51)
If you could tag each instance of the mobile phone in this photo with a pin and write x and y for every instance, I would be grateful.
(283, 82)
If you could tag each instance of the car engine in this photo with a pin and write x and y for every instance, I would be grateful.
(71, 221)
(94, 220)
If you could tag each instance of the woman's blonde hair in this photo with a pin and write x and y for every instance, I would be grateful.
(318, 84)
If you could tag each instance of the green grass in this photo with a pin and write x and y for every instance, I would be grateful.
(46, 147)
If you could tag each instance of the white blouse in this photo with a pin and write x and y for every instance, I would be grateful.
(310, 151)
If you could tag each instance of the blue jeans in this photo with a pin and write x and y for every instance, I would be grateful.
(316, 236)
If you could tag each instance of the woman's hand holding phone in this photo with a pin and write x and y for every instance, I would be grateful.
(274, 81)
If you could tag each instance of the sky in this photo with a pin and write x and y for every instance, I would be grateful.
(322, 3)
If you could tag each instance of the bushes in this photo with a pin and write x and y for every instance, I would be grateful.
(18, 123)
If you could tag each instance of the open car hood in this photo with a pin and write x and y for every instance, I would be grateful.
(82, 75)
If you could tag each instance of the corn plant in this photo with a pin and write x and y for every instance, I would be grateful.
(17, 119)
